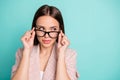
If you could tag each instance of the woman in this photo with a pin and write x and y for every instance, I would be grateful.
(45, 55)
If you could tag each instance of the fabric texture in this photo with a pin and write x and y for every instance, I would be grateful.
(50, 71)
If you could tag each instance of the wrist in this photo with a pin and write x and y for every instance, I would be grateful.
(26, 52)
(61, 54)
(61, 58)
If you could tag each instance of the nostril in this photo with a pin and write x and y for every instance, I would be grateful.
(46, 35)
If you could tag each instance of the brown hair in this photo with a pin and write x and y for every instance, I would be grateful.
(51, 11)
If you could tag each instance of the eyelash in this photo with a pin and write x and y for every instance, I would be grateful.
(41, 28)
(54, 29)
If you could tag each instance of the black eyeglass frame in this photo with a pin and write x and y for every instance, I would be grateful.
(47, 32)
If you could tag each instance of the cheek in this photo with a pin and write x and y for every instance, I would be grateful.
(39, 39)
(54, 40)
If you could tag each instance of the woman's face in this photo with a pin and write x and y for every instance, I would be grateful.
(47, 29)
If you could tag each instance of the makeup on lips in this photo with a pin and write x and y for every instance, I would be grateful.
(46, 41)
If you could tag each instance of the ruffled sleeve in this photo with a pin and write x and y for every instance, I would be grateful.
(17, 62)
(71, 64)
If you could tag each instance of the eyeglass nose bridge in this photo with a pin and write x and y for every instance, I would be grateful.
(47, 33)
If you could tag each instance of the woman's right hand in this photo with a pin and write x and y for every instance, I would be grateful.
(28, 40)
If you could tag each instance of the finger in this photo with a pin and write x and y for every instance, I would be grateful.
(59, 38)
(65, 37)
(65, 40)
(62, 38)
(28, 33)
(62, 34)
(33, 29)
(33, 34)
(27, 37)
(24, 38)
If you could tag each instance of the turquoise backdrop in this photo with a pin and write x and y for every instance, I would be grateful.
(92, 26)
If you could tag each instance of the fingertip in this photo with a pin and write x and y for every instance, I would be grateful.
(33, 33)
(62, 33)
(59, 34)
(32, 28)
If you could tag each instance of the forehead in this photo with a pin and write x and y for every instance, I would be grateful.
(47, 21)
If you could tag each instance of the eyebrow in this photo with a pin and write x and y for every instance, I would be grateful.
(39, 26)
(53, 27)
(44, 26)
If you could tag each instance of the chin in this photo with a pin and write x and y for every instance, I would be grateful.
(47, 45)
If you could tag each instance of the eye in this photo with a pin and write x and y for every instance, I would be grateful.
(40, 28)
(54, 29)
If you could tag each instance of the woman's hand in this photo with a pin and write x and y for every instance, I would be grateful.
(63, 43)
(28, 39)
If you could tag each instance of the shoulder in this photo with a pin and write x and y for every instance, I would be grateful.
(71, 50)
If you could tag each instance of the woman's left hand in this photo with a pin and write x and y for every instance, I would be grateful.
(63, 43)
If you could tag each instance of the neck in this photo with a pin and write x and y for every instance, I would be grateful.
(45, 50)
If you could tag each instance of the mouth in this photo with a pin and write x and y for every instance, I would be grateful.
(46, 41)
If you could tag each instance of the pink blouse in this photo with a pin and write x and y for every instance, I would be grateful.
(50, 71)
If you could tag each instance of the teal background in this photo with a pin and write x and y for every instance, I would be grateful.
(92, 26)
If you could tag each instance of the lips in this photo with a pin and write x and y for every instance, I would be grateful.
(46, 41)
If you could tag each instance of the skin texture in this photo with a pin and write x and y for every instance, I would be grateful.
(46, 23)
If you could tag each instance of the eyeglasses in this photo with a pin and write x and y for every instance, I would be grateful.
(41, 33)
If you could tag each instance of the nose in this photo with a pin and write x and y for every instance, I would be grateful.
(46, 35)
